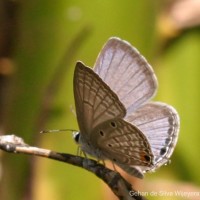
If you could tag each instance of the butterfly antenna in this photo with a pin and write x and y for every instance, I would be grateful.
(57, 130)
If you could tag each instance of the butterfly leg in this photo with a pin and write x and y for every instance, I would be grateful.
(114, 167)
(80, 152)
(84, 154)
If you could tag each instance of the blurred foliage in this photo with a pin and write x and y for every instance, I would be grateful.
(49, 35)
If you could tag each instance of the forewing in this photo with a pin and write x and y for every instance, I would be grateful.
(160, 123)
(126, 72)
(122, 143)
(95, 101)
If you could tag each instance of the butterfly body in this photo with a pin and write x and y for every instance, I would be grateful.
(116, 120)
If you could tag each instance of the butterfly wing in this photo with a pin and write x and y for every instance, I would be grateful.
(137, 148)
(160, 123)
(124, 144)
(95, 101)
(126, 72)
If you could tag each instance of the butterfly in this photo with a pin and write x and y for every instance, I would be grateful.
(116, 118)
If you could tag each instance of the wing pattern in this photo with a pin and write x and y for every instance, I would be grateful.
(95, 101)
(127, 73)
(160, 123)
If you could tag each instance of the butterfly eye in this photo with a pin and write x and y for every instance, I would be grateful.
(76, 136)
(110, 145)
(113, 124)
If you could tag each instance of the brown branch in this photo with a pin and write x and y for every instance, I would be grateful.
(121, 188)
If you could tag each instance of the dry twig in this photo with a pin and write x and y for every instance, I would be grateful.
(121, 188)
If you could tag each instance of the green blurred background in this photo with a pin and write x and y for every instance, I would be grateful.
(40, 42)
